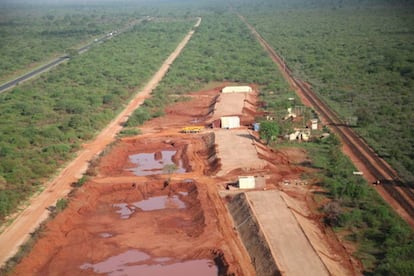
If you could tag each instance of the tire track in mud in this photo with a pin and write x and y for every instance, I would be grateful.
(26, 222)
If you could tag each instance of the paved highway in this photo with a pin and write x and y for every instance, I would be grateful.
(33, 73)
(59, 60)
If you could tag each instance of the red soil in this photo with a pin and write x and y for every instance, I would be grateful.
(91, 230)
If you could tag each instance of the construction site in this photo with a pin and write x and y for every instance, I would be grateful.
(197, 192)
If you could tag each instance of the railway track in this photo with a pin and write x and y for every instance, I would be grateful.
(374, 164)
(400, 191)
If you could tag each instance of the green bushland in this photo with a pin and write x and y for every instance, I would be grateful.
(81, 181)
(385, 243)
(61, 204)
(30, 34)
(366, 220)
(358, 55)
(221, 49)
(129, 132)
(42, 123)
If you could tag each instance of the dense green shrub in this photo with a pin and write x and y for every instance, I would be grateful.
(30, 34)
(361, 213)
(358, 55)
(222, 50)
(42, 123)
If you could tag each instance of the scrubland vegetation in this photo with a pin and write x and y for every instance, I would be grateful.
(358, 55)
(221, 50)
(335, 47)
(383, 241)
(42, 123)
(359, 58)
(30, 34)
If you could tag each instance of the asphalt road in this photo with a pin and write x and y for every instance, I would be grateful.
(33, 73)
(59, 60)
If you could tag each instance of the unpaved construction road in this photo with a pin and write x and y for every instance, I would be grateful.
(30, 218)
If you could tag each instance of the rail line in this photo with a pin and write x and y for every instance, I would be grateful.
(400, 191)
(371, 161)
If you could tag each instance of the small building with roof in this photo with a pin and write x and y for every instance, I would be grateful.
(236, 89)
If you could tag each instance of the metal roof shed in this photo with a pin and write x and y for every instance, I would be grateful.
(236, 89)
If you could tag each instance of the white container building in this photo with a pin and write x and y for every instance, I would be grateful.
(247, 182)
(314, 124)
(230, 122)
(236, 89)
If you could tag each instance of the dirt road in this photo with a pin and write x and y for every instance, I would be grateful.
(30, 218)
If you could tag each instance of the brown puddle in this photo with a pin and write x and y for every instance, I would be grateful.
(105, 235)
(124, 210)
(153, 203)
(135, 262)
(160, 202)
(154, 163)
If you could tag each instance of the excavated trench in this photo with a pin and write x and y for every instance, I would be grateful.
(125, 229)
(252, 236)
(129, 220)
(210, 154)
(171, 211)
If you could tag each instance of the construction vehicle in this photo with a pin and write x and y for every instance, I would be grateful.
(192, 129)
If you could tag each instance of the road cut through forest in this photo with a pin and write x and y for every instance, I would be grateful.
(135, 217)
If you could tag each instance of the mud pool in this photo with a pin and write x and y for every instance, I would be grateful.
(125, 210)
(154, 163)
(160, 202)
(135, 262)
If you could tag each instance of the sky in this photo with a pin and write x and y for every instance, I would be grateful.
(80, 1)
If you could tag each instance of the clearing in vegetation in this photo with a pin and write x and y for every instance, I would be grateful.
(131, 201)
(221, 51)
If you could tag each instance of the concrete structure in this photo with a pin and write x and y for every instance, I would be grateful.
(230, 122)
(314, 124)
(236, 89)
(290, 115)
(299, 134)
(294, 135)
(290, 248)
(247, 182)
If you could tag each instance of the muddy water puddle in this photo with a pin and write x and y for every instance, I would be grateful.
(125, 210)
(154, 163)
(160, 202)
(105, 235)
(135, 262)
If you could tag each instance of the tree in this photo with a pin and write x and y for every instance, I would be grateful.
(269, 130)
(72, 52)
(170, 169)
